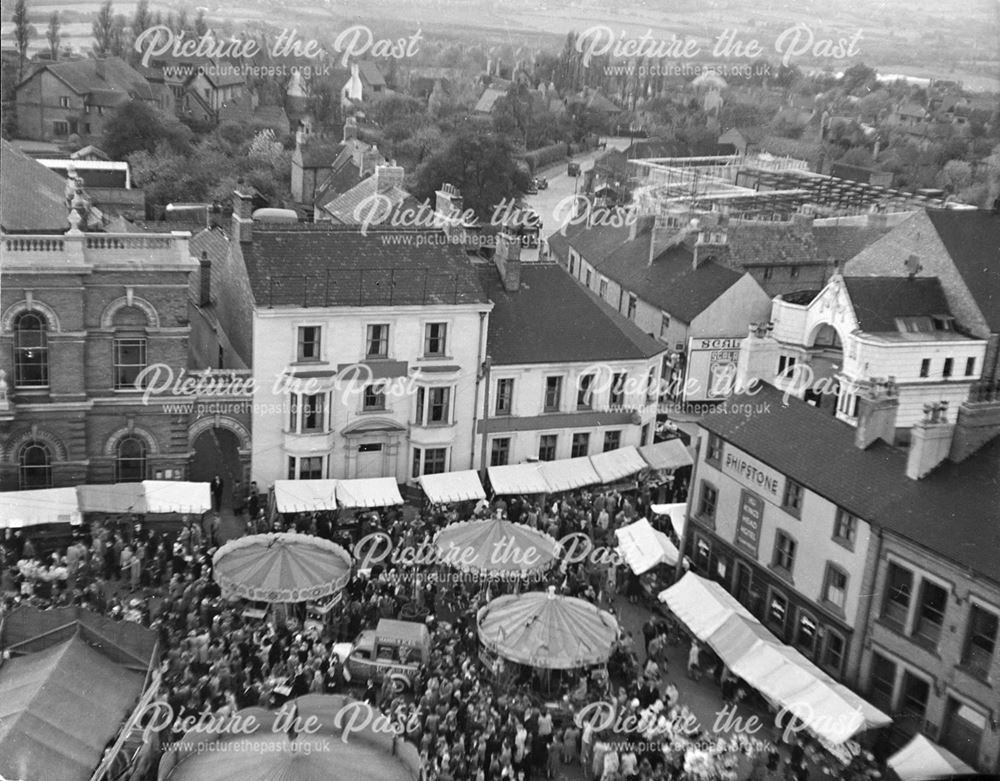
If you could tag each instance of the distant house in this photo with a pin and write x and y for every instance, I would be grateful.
(909, 114)
(745, 140)
(365, 82)
(201, 89)
(211, 89)
(371, 201)
(76, 97)
(107, 183)
(273, 117)
(487, 101)
(857, 173)
(592, 100)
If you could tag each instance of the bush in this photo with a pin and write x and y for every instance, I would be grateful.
(547, 155)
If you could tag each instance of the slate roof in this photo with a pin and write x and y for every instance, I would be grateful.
(757, 243)
(972, 239)
(552, 319)
(326, 265)
(951, 512)
(369, 71)
(878, 301)
(670, 283)
(32, 198)
(82, 77)
(319, 154)
(843, 242)
(488, 99)
(344, 207)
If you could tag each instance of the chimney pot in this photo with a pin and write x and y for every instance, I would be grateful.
(205, 280)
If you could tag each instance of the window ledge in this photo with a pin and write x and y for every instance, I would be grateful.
(846, 544)
(782, 573)
(980, 676)
(833, 608)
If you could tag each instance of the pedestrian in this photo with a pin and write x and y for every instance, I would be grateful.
(216, 490)
(694, 662)
(239, 498)
(649, 632)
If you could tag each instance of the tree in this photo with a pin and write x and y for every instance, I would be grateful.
(22, 35)
(857, 79)
(200, 24)
(481, 165)
(956, 175)
(138, 126)
(109, 32)
(142, 19)
(53, 35)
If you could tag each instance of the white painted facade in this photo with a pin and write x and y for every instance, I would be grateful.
(428, 415)
(825, 350)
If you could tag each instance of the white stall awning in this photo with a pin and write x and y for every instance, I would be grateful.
(305, 496)
(643, 547)
(703, 605)
(677, 513)
(517, 479)
(617, 464)
(668, 455)
(32, 508)
(368, 492)
(923, 760)
(568, 473)
(121, 498)
(177, 496)
(453, 487)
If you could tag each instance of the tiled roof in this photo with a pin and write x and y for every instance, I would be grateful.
(32, 198)
(842, 242)
(951, 512)
(488, 99)
(344, 208)
(328, 265)
(551, 319)
(224, 73)
(972, 239)
(878, 301)
(319, 154)
(369, 71)
(758, 243)
(670, 282)
(344, 172)
(82, 76)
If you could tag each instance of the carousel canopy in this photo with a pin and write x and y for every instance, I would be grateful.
(568, 473)
(922, 760)
(176, 496)
(122, 498)
(669, 455)
(517, 479)
(326, 752)
(614, 465)
(453, 487)
(32, 508)
(496, 546)
(368, 492)
(281, 567)
(784, 676)
(303, 496)
(546, 630)
(643, 547)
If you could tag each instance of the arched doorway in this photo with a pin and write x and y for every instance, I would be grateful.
(827, 363)
(217, 452)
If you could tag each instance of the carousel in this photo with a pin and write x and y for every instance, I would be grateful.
(496, 546)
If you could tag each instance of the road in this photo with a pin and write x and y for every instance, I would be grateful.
(561, 188)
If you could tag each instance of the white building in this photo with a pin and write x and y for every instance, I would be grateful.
(861, 329)
(365, 348)
(568, 376)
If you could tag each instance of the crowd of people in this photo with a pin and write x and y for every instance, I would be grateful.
(464, 723)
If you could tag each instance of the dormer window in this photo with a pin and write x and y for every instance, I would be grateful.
(943, 322)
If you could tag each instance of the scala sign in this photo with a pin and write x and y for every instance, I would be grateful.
(711, 368)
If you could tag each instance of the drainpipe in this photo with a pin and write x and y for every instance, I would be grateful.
(487, 365)
(479, 379)
(692, 486)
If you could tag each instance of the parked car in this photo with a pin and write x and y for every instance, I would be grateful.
(532, 189)
(541, 182)
(573, 169)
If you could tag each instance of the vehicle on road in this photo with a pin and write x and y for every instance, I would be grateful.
(396, 649)
(541, 183)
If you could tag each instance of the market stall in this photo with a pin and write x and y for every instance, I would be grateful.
(20, 509)
(517, 479)
(368, 492)
(568, 474)
(923, 760)
(496, 546)
(644, 548)
(670, 464)
(177, 496)
(451, 487)
(303, 496)
(614, 465)
(114, 498)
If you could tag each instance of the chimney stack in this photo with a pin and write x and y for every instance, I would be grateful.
(507, 257)
(370, 157)
(977, 422)
(930, 441)
(709, 243)
(205, 280)
(388, 176)
(878, 405)
(350, 129)
(242, 211)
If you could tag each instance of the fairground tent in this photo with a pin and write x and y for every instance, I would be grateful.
(614, 465)
(59, 708)
(281, 567)
(368, 492)
(922, 760)
(449, 487)
(783, 675)
(567, 474)
(303, 496)
(517, 479)
(644, 547)
(548, 631)
(32, 508)
(496, 546)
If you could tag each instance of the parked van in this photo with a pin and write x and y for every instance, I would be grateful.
(393, 648)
